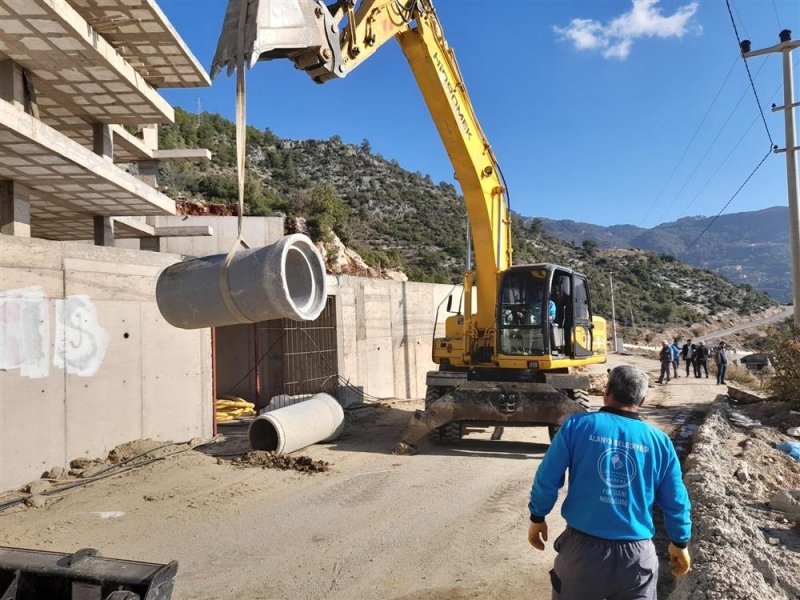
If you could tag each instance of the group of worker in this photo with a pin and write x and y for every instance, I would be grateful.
(695, 357)
(619, 467)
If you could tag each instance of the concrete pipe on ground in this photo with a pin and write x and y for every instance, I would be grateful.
(318, 419)
(282, 280)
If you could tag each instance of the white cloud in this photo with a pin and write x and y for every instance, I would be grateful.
(615, 38)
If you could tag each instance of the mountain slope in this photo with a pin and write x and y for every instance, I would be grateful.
(747, 247)
(404, 220)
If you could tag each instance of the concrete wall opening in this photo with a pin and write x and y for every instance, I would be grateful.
(278, 359)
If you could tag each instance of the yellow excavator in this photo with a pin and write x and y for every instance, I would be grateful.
(507, 358)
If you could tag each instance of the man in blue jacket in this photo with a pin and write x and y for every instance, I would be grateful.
(676, 357)
(619, 467)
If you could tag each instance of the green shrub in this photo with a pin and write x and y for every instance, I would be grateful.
(784, 350)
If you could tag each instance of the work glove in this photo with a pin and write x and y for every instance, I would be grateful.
(537, 535)
(679, 560)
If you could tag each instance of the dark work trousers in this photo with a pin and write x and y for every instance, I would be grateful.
(664, 371)
(591, 568)
(689, 365)
(702, 365)
(721, 368)
(675, 366)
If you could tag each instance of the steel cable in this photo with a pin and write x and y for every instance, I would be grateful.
(710, 146)
(749, 75)
(736, 193)
(691, 141)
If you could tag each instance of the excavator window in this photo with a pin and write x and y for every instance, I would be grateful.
(581, 301)
(524, 313)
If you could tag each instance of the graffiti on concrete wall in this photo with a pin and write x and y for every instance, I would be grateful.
(80, 342)
(25, 332)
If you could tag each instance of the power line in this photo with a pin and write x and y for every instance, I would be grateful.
(691, 141)
(749, 75)
(738, 16)
(777, 16)
(736, 193)
(749, 127)
(719, 167)
(711, 145)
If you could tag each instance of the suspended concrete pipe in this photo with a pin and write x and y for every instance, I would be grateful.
(318, 419)
(282, 280)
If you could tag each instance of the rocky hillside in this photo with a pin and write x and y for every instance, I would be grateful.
(747, 247)
(403, 220)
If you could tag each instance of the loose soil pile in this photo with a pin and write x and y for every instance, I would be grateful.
(742, 549)
(270, 460)
(137, 448)
(121, 459)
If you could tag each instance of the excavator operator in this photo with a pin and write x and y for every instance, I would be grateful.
(618, 467)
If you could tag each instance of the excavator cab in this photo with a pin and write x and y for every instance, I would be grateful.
(525, 317)
(544, 310)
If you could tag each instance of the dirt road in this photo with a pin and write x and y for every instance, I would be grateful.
(448, 523)
(784, 313)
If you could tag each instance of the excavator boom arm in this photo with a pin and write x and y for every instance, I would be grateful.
(439, 79)
(329, 42)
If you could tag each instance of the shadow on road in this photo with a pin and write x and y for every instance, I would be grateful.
(376, 429)
(488, 449)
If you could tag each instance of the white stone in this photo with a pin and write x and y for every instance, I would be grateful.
(37, 487)
(36, 501)
(786, 501)
(56, 473)
(742, 473)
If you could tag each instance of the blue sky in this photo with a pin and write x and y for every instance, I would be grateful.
(588, 105)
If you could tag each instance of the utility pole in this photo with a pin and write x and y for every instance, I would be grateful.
(632, 321)
(613, 314)
(785, 47)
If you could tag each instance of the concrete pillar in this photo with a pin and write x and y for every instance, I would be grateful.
(148, 169)
(12, 88)
(15, 209)
(103, 142)
(103, 145)
(148, 172)
(103, 231)
(150, 136)
(153, 244)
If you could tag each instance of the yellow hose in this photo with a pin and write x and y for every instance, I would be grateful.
(231, 408)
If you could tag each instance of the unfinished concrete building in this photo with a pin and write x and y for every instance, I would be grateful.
(86, 360)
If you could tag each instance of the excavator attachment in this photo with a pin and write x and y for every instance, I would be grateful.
(498, 404)
(303, 31)
(42, 575)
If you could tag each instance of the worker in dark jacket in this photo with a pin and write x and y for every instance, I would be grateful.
(619, 467)
(701, 361)
(721, 358)
(665, 358)
(688, 354)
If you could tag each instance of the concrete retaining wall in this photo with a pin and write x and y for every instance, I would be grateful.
(385, 330)
(86, 361)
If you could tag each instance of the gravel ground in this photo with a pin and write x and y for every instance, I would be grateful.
(742, 550)
(449, 523)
